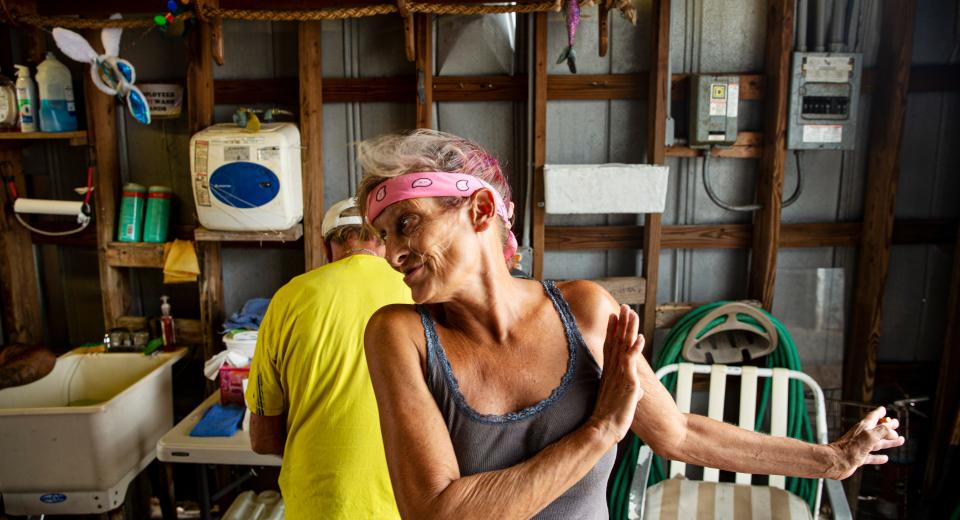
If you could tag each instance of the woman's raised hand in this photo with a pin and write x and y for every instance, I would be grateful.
(873, 433)
(620, 384)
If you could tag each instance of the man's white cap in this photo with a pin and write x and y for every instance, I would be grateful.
(333, 219)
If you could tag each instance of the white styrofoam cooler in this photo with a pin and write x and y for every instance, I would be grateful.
(244, 181)
(71, 442)
(605, 188)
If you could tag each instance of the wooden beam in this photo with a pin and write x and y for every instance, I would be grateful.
(200, 90)
(656, 154)
(749, 145)
(560, 87)
(888, 109)
(946, 404)
(311, 138)
(19, 296)
(751, 86)
(200, 100)
(539, 101)
(202, 234)
(102, 129)
(134, 254)
(739, 236)
(211, 296)
(630, 290)
(604, 26)
(923, 78)
(424, 26)
(75, 138)
(597, 86)
(479, 88)
(766, 220)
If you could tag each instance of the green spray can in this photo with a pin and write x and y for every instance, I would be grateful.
(130, 227)
(158, 214)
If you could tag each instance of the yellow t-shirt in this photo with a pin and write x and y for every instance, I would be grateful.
(310, 364)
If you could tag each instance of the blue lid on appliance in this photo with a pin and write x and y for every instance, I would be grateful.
(244, 185)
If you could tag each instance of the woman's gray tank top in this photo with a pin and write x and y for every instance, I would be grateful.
(491, 442)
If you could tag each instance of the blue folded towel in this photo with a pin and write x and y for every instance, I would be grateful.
(219, 421)
(249, 316)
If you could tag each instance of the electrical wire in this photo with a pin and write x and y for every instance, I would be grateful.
(708, 186)
(799, 187)
(78, 229)
(798, 423)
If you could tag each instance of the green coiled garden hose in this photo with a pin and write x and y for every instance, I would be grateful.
(798, 420)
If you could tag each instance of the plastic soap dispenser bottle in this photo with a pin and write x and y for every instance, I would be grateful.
(8, 104)
(58, 112)
(166, 324)
(26, 99)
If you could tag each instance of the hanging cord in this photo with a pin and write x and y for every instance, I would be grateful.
(708, 186)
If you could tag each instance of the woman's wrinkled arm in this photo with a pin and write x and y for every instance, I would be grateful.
(420, 456)
(699, 440)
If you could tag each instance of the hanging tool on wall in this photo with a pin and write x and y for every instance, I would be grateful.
(24, 205)
(111, 74)
(571, 11)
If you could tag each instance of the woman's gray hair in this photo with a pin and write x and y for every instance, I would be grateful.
(392, 155)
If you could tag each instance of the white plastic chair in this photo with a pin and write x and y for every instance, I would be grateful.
(748, 399)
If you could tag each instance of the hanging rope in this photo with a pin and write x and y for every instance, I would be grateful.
(483, 8)
(69, 22)
(278, 15)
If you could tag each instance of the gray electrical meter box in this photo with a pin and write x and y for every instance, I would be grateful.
(824, 97)
(713, 110)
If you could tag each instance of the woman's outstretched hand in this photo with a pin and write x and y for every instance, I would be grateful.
(620, 384)
(873, 433)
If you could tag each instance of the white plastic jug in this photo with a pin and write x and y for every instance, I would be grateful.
(58, 111)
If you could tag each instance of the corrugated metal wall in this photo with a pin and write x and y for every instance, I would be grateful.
(813, 285)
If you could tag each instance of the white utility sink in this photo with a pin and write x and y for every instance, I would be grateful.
(71, 442)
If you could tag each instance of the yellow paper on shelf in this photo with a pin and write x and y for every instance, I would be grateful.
(180, 263)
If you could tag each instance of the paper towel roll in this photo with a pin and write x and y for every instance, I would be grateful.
(48, 207)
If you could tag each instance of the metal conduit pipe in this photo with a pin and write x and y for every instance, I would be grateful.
(836, 26)
(853, 26)
(820, 27)
(802, 16)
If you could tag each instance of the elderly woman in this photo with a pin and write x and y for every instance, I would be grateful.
(492, 399)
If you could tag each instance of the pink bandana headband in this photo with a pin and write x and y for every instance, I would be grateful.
(436, 184)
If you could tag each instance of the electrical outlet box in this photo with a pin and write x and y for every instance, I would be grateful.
(713, 110)
(824, 100)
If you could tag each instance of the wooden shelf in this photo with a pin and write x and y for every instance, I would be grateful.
(135, 254)
(77, 138)
(187, 331)
(202, 234)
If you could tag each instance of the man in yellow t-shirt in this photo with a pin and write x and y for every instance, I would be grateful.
(309, 390)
